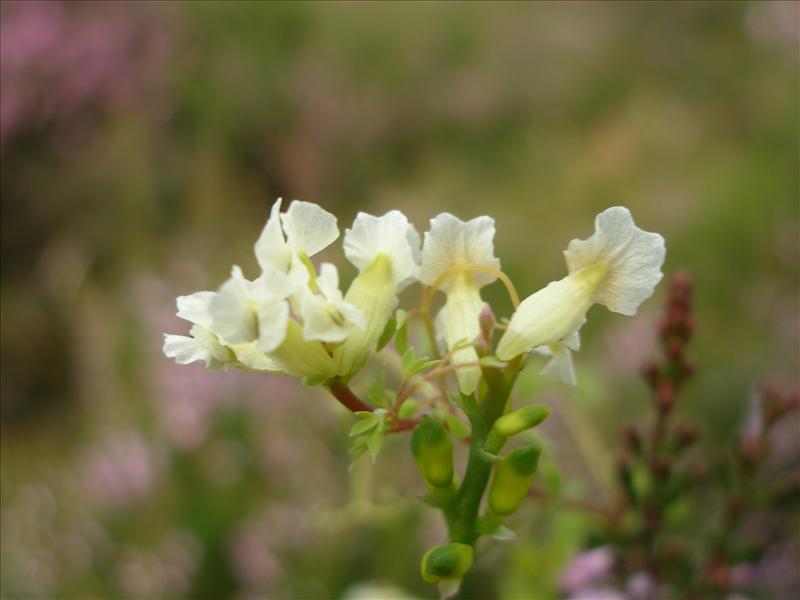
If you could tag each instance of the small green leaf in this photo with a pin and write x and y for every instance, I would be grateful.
(374, 443)
(364, 414)
(456, 427)
(401, 339)
(465, 402)
(409, 409)
(422, 364)
(376, 391)
(363, 426)
(408, 360)
(388, 333)
(401, 317)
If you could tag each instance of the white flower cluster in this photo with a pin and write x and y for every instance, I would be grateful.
(296, 320)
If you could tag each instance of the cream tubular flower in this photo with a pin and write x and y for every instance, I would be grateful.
(326, 316)
(452, 257)
(618, 267)
(202, 343)
(385, 250)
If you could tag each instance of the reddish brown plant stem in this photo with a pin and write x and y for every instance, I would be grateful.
(353, 403)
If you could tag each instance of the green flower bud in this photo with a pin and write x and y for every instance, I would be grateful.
(450, 561)
(433, 451)
(513, 477)
(520, 420)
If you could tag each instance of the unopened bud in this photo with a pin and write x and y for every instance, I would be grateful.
(625, 476)
(433, 452)
(666, 395)
(675, 347)
(685, 436)
(487, 322)
(786, 492)
(520, 420)
(660, 467)
(650, 372)
(450, 561)
(513, 477)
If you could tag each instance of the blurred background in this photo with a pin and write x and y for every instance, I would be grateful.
(142, 146)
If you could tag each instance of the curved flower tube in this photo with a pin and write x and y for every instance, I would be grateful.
(618, 267)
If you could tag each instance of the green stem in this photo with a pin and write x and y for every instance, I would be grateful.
(464, 515)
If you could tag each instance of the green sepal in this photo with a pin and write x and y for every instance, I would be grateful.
(401, 338)
(363, 426)
(375, 443)
(457, 426)
(388, 333)
(465, 402)
(315, 380)
(376, 391)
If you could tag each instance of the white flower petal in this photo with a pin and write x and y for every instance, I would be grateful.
(309, 228)
(271, 286)
(451, 242)
(202, 345)
(194, 308)
(273, 318)
(244, 311)
(391, 235)
(271, 248)
(184, 349)
(634, 258)
(573, 340)
(326, 316)
(560, 366)
(232, 316)
(328, 282)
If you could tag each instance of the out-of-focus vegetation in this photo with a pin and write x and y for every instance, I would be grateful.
(142, 144)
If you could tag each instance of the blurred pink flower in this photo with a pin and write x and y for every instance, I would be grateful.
(57, 59)
(120, 470)
(587, 569)
(254, 563)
